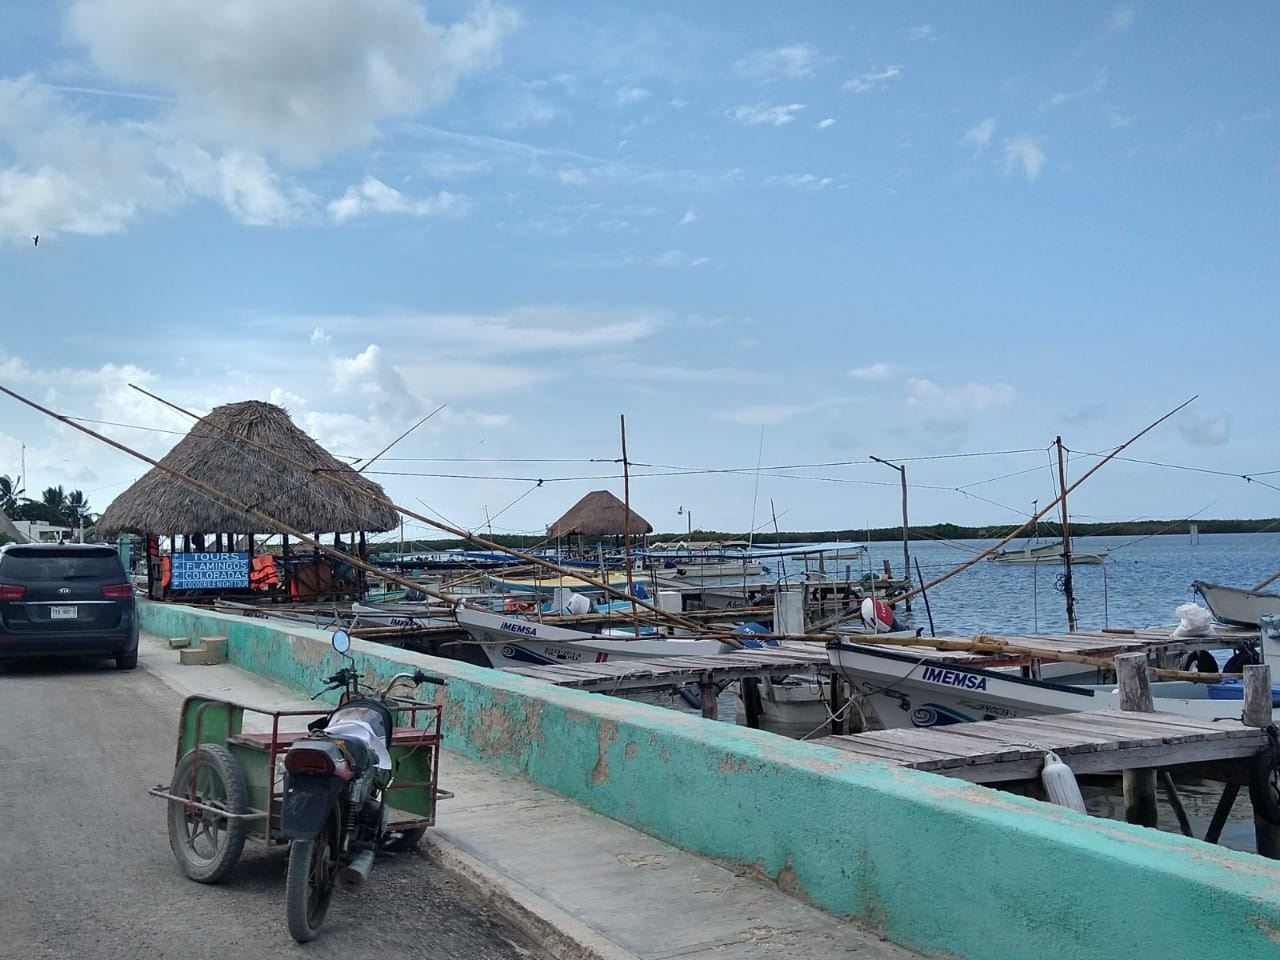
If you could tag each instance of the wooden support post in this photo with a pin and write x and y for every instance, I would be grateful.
(710, 705)
(751, 701)
(1139, 785)
(1175, 801)
(1257, 713)
(838, 697)
(1225, 803)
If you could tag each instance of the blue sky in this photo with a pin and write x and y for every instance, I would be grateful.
(779, 239)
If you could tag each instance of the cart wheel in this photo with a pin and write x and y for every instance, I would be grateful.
(207, 845)
(309, 884)
(404, 841)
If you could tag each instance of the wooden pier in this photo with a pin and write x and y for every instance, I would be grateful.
(1002, 751)
(711, 674)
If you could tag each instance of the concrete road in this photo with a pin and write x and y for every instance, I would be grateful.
(85, 859)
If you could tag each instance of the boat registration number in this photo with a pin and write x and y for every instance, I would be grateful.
(63, 613)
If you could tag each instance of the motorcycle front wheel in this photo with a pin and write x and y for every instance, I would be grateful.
(308, 888)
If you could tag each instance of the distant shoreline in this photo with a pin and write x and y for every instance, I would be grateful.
(926, 532)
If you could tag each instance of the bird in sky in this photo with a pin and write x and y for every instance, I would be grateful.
(35, 241)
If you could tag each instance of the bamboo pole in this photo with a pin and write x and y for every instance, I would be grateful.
(463, 534)
(1271, 579)
(996, 546)
(286, 530)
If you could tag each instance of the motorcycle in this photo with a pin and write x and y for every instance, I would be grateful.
(334, 812)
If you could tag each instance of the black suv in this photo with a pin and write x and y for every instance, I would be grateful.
(66, 599)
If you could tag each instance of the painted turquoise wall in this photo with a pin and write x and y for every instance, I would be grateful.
(935, 864)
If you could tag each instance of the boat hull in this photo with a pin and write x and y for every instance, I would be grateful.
(1236, 606)
(901, 691)
(515, 642)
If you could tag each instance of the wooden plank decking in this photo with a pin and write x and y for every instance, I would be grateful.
(1004, 750)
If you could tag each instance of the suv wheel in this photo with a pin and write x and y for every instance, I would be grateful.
(127, 661)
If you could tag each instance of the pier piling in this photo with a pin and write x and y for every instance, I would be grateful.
(1139, 785)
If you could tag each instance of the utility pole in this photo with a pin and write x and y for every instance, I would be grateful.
(906, 530)
(1066, 543)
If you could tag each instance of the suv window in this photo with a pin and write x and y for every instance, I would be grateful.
(58, 564)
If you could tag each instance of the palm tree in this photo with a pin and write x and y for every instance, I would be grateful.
(9, 494)
(54, 501)
(77, 510)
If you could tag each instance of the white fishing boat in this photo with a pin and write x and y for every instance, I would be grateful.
(705, 561)
(519, 642)
(1235, 605)
(1048, 553)
(899, 689)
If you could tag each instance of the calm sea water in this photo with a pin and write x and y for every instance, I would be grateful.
(1141, 584)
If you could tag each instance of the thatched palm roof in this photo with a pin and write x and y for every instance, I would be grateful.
(9, 530)
(599, 514)
(305, 500)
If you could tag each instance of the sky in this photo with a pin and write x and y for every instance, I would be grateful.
(776, 240)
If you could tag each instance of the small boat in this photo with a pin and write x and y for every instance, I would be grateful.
(1235, 605)
(1048, 553)
(901, 689)
(705, 560)
(519, 642)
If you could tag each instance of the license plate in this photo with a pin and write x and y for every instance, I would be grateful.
(63, 613)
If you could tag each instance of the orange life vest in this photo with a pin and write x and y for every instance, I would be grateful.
(262, 572)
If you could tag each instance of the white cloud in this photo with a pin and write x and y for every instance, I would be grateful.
(925, 31)
(301, 78)
(688, 218)
(442, 166)
(375, 197)
(1121, 18)
(518, 332)
(674, 259)
(1087, 92)
(979, 136)
(967, 398)
(522, 105)
(1025, 153)
(824, 124)
(574, 176)
(767, 414)
(625, 96)
(679, 103)
(794, 62)
(757, 114)
(876, 79)
(243, 182)
(377, 382)
(70, 173)
(876, 371)
(319, 338)
(807, 180)
(1206, 431)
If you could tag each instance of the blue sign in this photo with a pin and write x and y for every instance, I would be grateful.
(208, 571)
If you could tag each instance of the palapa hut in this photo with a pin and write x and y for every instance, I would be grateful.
(599, 514)
(306, 500)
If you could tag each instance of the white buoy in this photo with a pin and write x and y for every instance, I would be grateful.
(1060, 783)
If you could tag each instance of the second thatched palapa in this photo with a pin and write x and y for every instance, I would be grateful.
(211, 453)
(599, 514)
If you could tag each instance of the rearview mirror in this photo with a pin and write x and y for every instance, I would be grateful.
(341, 641)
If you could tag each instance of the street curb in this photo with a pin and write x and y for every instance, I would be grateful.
(564, 937)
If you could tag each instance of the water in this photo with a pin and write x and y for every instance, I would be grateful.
(1143, 581)
(1140, 585)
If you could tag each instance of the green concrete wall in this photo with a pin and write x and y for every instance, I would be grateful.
(935, 864)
